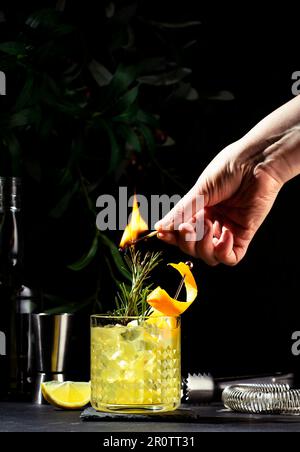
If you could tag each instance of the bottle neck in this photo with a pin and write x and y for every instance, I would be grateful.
(10, 194)
(15, 194)
(2, 194)
(11, 234)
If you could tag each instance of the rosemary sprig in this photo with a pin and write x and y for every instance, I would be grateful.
(132, 300)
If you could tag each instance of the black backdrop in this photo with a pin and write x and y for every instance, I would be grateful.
(245, 316)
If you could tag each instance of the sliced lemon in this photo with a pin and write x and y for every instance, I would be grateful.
(161, 301)
(69, 395)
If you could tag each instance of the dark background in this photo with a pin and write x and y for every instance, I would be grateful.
(248, 313)
(244, 317)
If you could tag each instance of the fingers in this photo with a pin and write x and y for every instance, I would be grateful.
(217, 229)
(168, 237)
(224, 248)
(176, 216)
(187, 238)
(206, 247)
(216, 247)
(183, 212)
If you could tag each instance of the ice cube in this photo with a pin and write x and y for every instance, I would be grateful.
(131, 334)
(133, 323)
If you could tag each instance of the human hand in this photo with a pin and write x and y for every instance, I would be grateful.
(239, 191)
(239, 188)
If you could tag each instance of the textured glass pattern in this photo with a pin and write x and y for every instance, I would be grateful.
(137, 366)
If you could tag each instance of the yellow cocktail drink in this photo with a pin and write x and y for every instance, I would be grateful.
(135, 364)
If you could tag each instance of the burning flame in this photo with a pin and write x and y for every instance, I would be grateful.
(135, 227)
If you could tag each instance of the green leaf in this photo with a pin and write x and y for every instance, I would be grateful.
(77, 149)
(126, 101)
(60, 5)
(55, 97)
(25, 117)
(64, 177)
(121, 81)
(115, 152)
(50, 20)
(102, 75)
(116, 281)
(17, 49)
(67, 108)
(167, 78)
(152, 65)
(130, 137)
(26, 93)
(14, 148)
(148, 119)
(176, 25)
(126, 13)
(222, 96)
(64, 202)
(42, 17)
(130, 115)
(149, 138)
(123, 78)
(116, 256)
(63, 30)
(51, 87)
(62, 306)
(85, 260)
(184, 92)
(72, 73)
(9, 64)
(110, 10)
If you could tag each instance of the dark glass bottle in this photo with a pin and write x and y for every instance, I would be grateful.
(4, 296)
(18, 300)
(15, 270)
(23, 298)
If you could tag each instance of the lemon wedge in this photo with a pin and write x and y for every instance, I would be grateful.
(69, 395)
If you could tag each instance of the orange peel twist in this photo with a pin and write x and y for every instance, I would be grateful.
(161, 301)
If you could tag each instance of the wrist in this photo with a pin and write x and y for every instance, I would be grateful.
(281, 159)
(278, 156)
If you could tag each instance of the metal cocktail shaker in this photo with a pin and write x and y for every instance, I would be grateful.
(52, 334)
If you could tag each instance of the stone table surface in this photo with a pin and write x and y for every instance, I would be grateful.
(22, 417)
